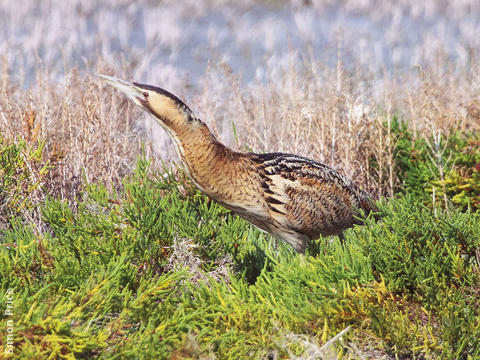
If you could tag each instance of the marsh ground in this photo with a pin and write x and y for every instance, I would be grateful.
(108, 256)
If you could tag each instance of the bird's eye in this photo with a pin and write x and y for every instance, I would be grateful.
(145, 94)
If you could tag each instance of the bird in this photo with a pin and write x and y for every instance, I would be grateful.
(294, 198)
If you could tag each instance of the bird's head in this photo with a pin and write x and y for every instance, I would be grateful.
(166, 108)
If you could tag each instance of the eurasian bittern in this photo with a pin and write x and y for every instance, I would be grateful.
(293, 198)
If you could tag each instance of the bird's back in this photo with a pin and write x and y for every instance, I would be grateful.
(305, 199)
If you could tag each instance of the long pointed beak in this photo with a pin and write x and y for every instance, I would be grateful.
(133, 92)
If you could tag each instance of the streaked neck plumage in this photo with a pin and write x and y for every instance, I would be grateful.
(199, 151)
(206, 160)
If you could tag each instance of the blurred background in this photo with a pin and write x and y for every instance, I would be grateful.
(173, 42)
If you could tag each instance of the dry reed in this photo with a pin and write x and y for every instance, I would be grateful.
(333, 115)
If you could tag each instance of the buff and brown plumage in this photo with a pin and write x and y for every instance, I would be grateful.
(294, 198)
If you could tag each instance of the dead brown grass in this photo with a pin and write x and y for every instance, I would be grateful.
(338, 116)
(344, 117)
(90, 132)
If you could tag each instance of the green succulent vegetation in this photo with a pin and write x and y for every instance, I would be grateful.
(157, 270)
(444, 170)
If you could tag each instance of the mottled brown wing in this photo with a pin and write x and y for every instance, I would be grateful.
(308, 198)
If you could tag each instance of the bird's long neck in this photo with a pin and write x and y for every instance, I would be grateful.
(204, 157)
